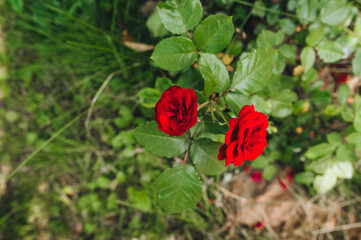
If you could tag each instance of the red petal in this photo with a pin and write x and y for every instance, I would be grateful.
(222, 152)
(256, 177)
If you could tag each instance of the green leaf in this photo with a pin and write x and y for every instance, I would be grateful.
(272, 18)
(357, 122)
(315, 36)
(191, 79)
(343, 170)
(308, 57)
(301, 107)
(346, 152)
(280, 65)
(235, 48)
(332, 110)
(330, 51)
(214, 33)
(159, 143)
(348, 43)
(321, 165)
(258, 9)
(178, 16)
(103, 182)
(357, 28)
(305, 177)
(288, 51)
(204, 155)
(319, 150)
(236, 101)
(354, 138)
(214, 72)
(306, 10)
(260, 163)
(356, 63)
(288, 26)
(281, 103)
(325, 182)
(139, 199)
(253, 70)
(347, 114)
(269, 39)
(334, 12)
(280, 36)
(148, 97)
(334, 138)
(260, 104)
(269, 172)
(343, 94)
(178, 188)
(155, 25)
(174, 53)
(163, 84)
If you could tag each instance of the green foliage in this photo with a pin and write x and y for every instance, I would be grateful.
(159, 143)
(148, 97)
(330, 51)
(334, 12)
(269, 172)
(204, 155)
(178, 188)
(178, 16)
(356, 63)
(315, 36)
(174, 53)
(326, 182)
(253, 70)
(288, 26)
(308, 57)
(214, 72)
(214, 33)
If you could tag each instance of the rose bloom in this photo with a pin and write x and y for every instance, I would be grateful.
(176, 110)
(246, 137)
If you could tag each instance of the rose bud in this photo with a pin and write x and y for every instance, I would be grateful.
(247, 168)
(246, 137)
(259, 225)
(256, 177)
(176, 110)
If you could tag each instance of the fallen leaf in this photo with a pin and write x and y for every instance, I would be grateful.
(227, 59)
(298, 70)
(139, 47)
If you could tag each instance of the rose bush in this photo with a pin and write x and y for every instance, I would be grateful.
(253, 88)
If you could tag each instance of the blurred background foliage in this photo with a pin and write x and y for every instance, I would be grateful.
(93, 181)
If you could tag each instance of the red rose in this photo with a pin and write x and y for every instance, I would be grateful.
(246, 137)
(176, 110)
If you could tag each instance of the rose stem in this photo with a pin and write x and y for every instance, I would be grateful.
(212, 113)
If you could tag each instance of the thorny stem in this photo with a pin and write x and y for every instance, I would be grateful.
(195, 132)
(189, 34)
(202, 105)
(220, 113)
(245, 20)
